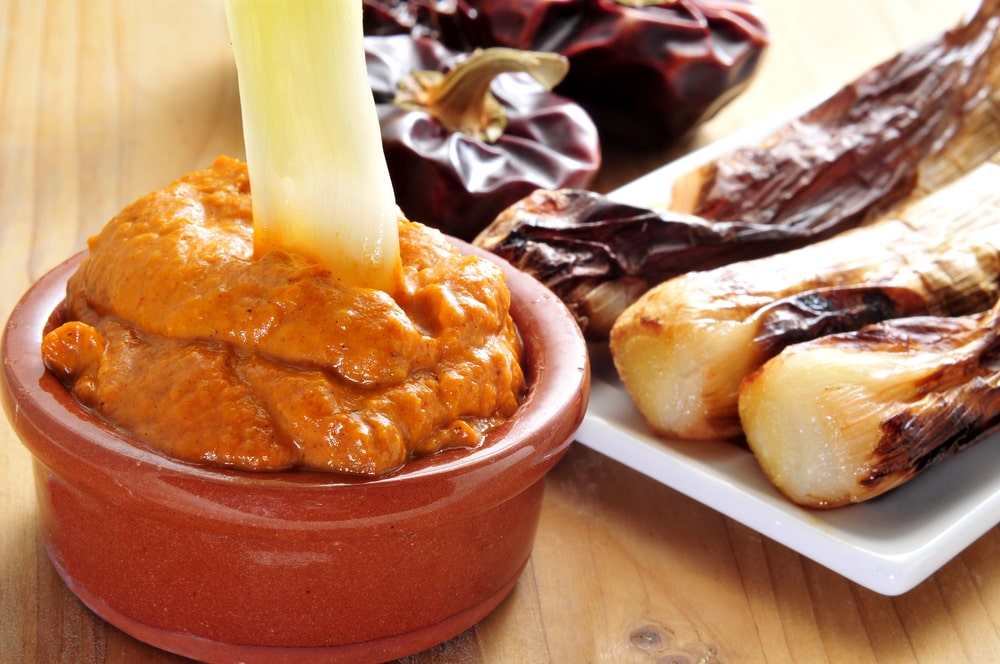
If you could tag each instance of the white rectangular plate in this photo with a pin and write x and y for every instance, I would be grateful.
(889, 544)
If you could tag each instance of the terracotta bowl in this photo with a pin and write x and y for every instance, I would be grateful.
(297, 567)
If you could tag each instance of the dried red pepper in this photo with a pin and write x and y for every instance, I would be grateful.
(444, 20)
(646, 71)
(466, 135)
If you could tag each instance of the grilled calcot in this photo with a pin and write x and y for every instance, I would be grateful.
(682, 349)
(847, 417)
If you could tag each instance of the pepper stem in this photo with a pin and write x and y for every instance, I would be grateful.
(460, 99)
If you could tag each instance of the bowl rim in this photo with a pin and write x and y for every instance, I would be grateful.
(48, 419)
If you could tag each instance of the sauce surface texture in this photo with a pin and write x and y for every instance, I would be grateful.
(179, 335)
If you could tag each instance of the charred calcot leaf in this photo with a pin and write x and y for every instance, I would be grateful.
(821, 311)
(912, 123)
(599, 255)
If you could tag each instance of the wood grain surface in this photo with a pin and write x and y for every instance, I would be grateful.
(102, 101)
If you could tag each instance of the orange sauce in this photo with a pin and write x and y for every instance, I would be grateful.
(178, 334)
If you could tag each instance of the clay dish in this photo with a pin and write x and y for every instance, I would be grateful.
(226, 566)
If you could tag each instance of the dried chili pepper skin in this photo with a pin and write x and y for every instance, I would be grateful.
(388, 17)
(444, 20)
(455, 182)
(647, 73)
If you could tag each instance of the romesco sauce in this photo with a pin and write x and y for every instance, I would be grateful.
(179, 335)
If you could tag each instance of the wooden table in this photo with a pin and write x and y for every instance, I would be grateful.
(104, 100)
